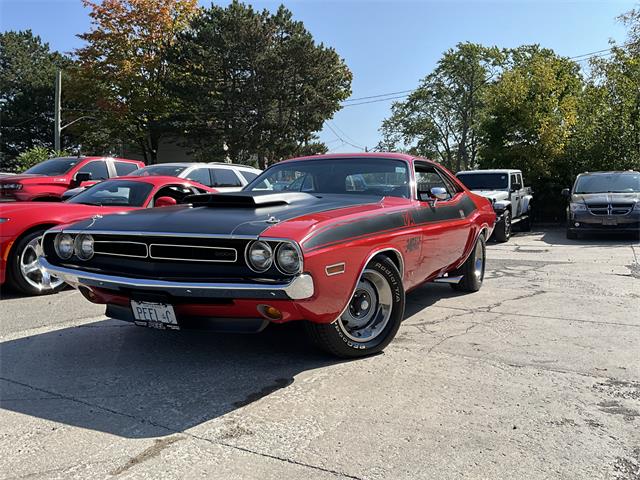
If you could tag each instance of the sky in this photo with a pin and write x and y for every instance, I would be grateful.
(389, 45)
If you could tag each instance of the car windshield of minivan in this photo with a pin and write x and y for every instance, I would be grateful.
(484, 181)
(608, 183)
(55, 166)
(385, 177)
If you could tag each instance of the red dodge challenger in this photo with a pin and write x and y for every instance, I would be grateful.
(335, 240)
(22, 224)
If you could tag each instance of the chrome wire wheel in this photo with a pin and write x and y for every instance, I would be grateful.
(478, 266)
(31, 270)
(369, 309)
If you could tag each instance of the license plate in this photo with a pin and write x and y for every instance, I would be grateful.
(609, 221)
(154, 315)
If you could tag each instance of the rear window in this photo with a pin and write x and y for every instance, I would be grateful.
(159, 171)
(222, 177)
(248, 176)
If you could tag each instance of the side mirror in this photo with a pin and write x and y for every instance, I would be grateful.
(165, 202)
(80, 177)
(439, 193)
(566, 192)
(515, 187)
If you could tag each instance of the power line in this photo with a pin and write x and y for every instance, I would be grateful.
(343, 140)
(378, 96)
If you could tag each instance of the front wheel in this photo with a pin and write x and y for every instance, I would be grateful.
(472, 270)
(502, 232)
(24, 271)
(372, 318)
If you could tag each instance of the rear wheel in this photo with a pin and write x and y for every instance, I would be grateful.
(372, 318)
(472, 270)
(502, 232)
(24, 271)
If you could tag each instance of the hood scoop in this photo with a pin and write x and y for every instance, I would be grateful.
(248, 199)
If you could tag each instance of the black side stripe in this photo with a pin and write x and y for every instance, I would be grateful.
(392, 221)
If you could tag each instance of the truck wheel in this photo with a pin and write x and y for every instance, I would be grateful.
(24, 271)
(372, 318)
(502, 232)
(472, 270)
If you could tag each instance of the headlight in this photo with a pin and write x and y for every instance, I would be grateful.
(83, 246)
(577, 207)
(288, 258)
(11, 186)
(260, 256)
(63, 245)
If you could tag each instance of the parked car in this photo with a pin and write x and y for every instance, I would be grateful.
(511, 200)
(22, 224)
(340, 259)
(224, 177)
(47, 181)
(603, 202)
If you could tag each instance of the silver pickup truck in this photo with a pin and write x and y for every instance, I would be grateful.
(512, 201)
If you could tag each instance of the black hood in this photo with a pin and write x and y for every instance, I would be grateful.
(235, 214)
(605, 198)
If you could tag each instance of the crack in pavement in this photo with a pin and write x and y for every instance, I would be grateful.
(175, 431)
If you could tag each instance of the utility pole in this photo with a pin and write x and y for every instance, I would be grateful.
(57, 110)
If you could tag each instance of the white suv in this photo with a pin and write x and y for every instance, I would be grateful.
(224, 177)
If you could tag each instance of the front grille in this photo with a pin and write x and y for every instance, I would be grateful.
(192, 253)
(610, 209)
(117, 248)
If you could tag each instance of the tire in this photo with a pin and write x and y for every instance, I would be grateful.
(472, 270)
(502, 232)
(372, 318)
(525, 225)
(571, 235)
(23, 271)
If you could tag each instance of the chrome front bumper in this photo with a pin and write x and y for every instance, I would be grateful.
(300, 288)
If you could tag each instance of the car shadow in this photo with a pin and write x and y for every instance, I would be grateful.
(427, 295)
(133, 382)
(557, 236)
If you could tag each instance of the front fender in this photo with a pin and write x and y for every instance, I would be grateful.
(526, 202)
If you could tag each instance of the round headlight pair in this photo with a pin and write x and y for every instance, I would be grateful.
(260, 257)
(65, 246)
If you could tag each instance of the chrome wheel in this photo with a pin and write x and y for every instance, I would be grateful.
(369, 310)
(31, 270)
(478, 266)
(507, 225)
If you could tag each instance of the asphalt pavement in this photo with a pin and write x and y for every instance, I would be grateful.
(535, 376)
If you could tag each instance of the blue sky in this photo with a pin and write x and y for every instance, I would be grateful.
(389, 45)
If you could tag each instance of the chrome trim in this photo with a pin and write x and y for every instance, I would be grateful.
(151, 245)
(248, 262)
(452, 280)
(146, 248)
(299, 288)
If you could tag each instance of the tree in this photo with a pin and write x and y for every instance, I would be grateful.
(531, 112)
(27, 78)
(441, 118)
(632, 20)
(254, 84)
(122, 70)
(35, 155)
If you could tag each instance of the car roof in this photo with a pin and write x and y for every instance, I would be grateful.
(607, 173)
(155, 180)
(175, 164)
(371, 155)
(493, 170)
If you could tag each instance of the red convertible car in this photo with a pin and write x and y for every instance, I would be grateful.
(335, 240)
(22, 224)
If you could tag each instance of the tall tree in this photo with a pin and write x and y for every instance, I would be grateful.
(441, 118)
(254, 83)
(27, 77)
(531, 112)
(123, 68)
(632, 21)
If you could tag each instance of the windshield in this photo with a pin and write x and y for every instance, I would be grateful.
(484, 181)
(159, 171)
(608, 183)
(115, 193)
(55, 166)
(351, 176)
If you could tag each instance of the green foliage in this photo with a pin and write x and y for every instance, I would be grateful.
(254, 84)
(35, 155)
(27, 76)
(442, 117)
